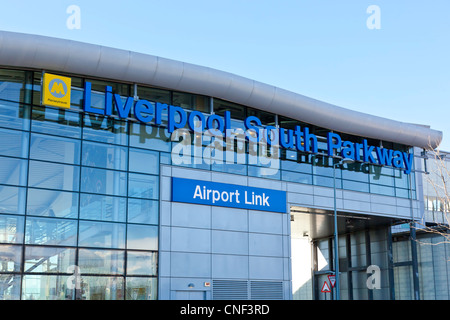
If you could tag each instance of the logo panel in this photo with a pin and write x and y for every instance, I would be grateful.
(56, 91)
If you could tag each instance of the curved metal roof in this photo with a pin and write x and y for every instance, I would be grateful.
(47, 53)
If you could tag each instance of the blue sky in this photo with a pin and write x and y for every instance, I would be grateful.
(319, 48)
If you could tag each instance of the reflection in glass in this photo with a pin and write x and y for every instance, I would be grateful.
(148, 137)
(13, 171)
(142, 263)
(139, 288)
(56, 121)
(143, 211)
(52, 203)
(101, 261)
(46, 287)
(55, 149)
(144, 161)
(11, 287)
(101, 288)
(48, 259)
(142, 237)
(13, 143)
(14, 115)
(53, 176)
(101, 235)
(11, 229)
(105, 129)
(100, 207)
(10, 258)
(103, 181)
(12, 84)
(104, 156)
(12, 199)
(51, 231)
(143, 186)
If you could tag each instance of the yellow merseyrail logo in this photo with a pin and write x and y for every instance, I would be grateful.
(56, 91)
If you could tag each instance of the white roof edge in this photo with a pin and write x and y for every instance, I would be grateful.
(42, 52)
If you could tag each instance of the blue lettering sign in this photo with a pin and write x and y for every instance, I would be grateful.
(227, 195)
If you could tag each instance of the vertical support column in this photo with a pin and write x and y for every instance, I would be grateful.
(415, 266)
(348, 244)
(368, 259)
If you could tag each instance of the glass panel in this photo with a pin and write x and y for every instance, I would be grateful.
(101, 261)
(326, 182)
(52, 203)
(101, 235)
(12, 200)
(296, 177)
(142, 237)
(144, 161)
(101, 288)
(49, 259)
(388, 191)
(142, 263)
(55, 149)
(12, 85)
(10, 290)
(382, 175)
(237, 111)
(141, 288)
(14, 115)
(45, 287)
(53, 176)
(13, 143)
(56, 121)
(104, 156)
(296, 166)
(148, 137)
(105, 129)
(103, 181)
(143, 186)
(153, 94)
(10, 258)
(100, 207)
(13, 171)
(11, 229)
(191, 101)
(355, 186)
(51, 231)
(143, 211)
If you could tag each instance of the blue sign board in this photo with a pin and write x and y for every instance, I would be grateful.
(227, 195)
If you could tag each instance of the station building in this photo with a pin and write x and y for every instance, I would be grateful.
(130, 176)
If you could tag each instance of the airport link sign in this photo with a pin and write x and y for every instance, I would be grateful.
(227, 195)
(300, 138)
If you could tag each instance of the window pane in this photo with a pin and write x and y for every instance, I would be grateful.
(142, 237)
(148, 137)
(100, 207)
(14, 115)
(139, 288)
(105, 129)
(11, 229)
(10, 259)
(45, 287)
(13, 143)
(13, 171)
(56, 121)
(104, 156)
(12, 84)
(55, 149)
(143, 211)
(51, 231)
(52, 203)
(144, 161)
(388, 191)
(103, 181)
(49, 259)
(142, 263)
(153, 94)
(102, 235)
(296, 177)
(53, 176)
(12, 200)
(11, 287)
(356, 186)
(101, 288)
(143, 186)
(101, 261)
